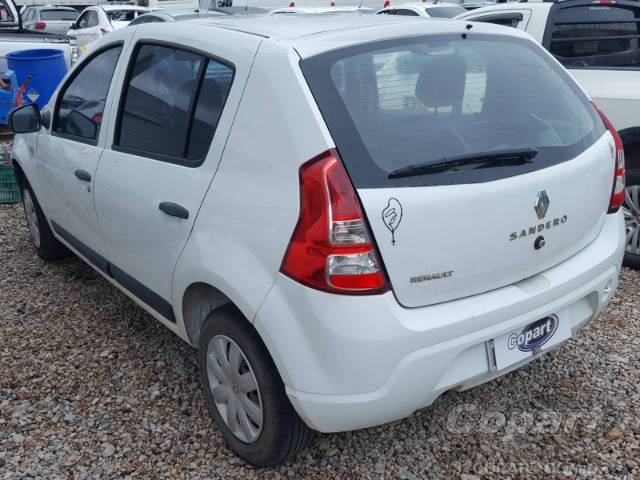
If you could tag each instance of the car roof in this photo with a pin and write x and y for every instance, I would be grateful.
(426, 4)
(171, 13)
(314, 34)
(52, 7)
(322, 10)
(295, 25)
(109, 8)
(237, 10)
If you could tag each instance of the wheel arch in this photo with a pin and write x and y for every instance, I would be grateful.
(199, 300)
(19, 172)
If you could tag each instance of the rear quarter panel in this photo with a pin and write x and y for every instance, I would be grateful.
(248, 215)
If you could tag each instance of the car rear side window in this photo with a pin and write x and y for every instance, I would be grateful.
(587, 36)
(171, 104)
(81, 105)
(397, 103)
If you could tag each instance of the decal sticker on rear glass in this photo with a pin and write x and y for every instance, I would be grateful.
(392, 216)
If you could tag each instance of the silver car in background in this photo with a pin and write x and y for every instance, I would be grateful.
(49, 18)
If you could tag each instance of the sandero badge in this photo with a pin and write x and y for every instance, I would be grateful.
(535, 335)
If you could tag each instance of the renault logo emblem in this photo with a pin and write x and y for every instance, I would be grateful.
(542, 204)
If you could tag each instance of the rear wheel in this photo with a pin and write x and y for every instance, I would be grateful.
(47, 246)
(631, 209)
(245, 394)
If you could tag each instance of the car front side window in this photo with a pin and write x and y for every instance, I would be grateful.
(81, 104)
(92, 19)
(82, 22)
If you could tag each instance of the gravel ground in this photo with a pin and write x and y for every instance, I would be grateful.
(92, 387)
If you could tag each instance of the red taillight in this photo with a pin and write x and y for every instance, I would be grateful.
(617, 193)
(40, 26)
(387, 4)
(331, 247)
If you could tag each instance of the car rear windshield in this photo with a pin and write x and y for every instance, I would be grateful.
(397, 103)
(597, 35)
(444, 12)
(52, 15)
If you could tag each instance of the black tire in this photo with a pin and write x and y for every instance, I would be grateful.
(631, 260)
(48, 247)
(283, 432)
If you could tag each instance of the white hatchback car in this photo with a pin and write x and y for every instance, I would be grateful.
(345, 217)
(95, 22)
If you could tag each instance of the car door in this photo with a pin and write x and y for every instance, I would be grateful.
(88, 29)
(69, 153)
(175, 112)
(28, 19)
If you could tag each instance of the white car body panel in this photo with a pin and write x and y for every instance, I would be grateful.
(130, 188)
(241, 202)
(244, 204)
(479, 220)
(617, 94)
(426, 351)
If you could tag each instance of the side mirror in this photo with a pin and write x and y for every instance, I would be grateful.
(25, 119)
(73, 26)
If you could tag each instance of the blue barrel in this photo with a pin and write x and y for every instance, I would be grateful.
(38, 72)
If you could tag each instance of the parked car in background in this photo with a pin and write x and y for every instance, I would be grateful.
(164, 16)
(14, 37)
(95, 22)
(437, 10)
(179, 15)
(321, 10)
(348, 215)
(599, 42)
(49, 19)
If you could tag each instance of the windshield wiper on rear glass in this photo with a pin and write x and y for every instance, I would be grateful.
(495, 158)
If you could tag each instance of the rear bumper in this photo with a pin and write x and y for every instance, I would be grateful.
(354, 362)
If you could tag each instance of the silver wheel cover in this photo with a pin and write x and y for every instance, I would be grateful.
(234, 388)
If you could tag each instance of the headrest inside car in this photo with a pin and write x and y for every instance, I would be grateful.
(441, 83)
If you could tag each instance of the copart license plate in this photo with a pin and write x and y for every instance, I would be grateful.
(531, 339)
